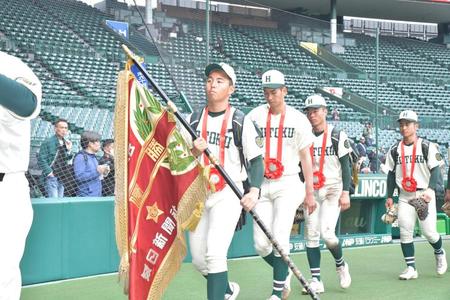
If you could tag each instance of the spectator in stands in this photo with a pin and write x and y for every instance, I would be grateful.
(179, 28)
(374, 162)
(158, 32)
(361, 146)
(385, 120)
(368, 133)
(88, 173)
(174, 31)
(364, 164)
(382, 155)
(108, 159)
(54, 154)
(335, 114)
(219, 44)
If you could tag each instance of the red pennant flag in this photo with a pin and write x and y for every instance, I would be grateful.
(159, 190)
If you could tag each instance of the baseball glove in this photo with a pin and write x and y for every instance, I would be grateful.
(446, 208)
(391, 214)
(299, 214)
(421, 207)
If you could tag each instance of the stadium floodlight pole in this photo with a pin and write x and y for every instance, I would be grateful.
(225, 176)
(377, 80)
(207, 11)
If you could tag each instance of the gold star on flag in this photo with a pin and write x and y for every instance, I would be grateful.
(153, 212)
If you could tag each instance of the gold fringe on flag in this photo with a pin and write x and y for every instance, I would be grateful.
(121, 187)
(189, 212)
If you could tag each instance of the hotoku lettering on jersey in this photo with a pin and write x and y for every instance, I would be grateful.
(329, 151)
(288, 132)
(420, 159)
(213, 138)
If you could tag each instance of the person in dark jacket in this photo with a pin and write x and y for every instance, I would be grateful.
(108, 159)
(362, 147)
(54, 154)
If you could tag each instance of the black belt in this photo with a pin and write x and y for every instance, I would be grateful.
(1, 176)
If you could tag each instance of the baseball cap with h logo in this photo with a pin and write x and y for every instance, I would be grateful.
(273, 79)
(408, 115)
(315, 101)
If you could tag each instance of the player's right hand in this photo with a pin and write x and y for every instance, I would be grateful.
(309, 203)
(249, 200)
(447, 196)
(389, 203)
(200, 145)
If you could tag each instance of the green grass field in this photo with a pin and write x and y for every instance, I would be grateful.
(374, 273)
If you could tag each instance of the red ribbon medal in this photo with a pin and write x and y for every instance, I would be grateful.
(318, 177)
(274, 167)
(409, 184)
(214, 176)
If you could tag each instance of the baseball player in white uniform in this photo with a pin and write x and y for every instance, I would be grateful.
(332, 178)
(286, 138)
(415, 176)
(20, 98)
(211, 239)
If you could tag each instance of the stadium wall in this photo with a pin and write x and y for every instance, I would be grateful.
(74, 237)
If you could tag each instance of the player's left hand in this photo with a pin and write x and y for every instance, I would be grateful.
(344, 200)
(427, 195)
(249, 200)
(309, 203)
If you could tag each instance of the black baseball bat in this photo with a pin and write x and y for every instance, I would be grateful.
(225, 176)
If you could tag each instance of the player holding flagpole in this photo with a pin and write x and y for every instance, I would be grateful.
(414, 167)
(287, 138)
(211, 239)
(332, 178)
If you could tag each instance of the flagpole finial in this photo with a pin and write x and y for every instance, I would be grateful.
(172, 106)
(131, 54)
(128, 51)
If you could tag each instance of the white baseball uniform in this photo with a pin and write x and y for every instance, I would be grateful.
(407, 215)
(322, 222)
(281, 197)
(211, 239)
(16, 213)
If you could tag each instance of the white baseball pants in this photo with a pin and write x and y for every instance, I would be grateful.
(279, 201)
(16, 216)
(211, 239)
(322, 222)
(407, 217)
